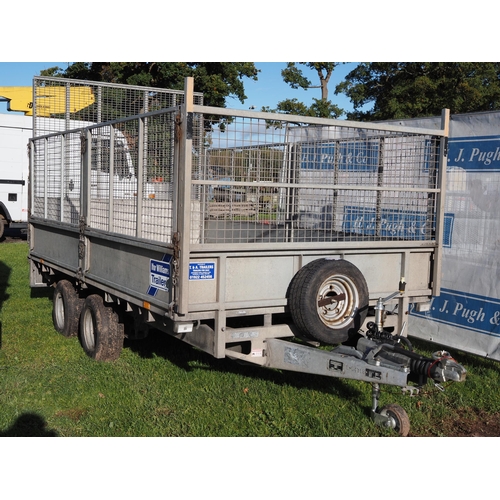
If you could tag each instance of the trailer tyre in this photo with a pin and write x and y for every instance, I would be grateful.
(313, 307)
(66, 308)
(101, 334)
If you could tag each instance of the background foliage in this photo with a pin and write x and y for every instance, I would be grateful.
(377, 90)
(417, 89)
(217, 80)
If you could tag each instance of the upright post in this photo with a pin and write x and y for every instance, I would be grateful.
(184, 137)
(443, 161)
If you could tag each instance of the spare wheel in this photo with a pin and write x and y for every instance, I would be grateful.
(328, 300)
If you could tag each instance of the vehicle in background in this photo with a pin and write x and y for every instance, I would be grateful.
(15, 132)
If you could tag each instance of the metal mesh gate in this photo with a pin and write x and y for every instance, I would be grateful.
(279, 182)
(63, 104)
(131, 160)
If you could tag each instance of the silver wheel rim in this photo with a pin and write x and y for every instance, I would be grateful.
(88, 329)
(338, 314)
(59, 311)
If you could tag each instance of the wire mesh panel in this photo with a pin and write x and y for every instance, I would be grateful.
(57, 177)
(279, 182)
(131, 173)
(132, 165)
(254, 178)
(73, 101)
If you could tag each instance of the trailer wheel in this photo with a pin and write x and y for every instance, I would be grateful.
(101, 334)
(2, 226)
(328, 300)
(66, 308)
(398, 418)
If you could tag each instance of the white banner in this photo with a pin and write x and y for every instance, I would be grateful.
(466, 315)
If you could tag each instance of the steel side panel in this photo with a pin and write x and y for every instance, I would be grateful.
(56, 245)
(254, 281)
(239, 281)
(384, 271)
(258, 278)
(259, 281)
(420, 271)
(127, 269)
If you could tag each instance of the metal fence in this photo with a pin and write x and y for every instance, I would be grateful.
(255, 178)
(138, 153)
(61, 104)
(279, 181)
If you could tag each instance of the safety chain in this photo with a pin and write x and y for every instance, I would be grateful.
(175, 259)
(178, 128)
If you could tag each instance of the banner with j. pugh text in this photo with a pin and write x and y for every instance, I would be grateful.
(466, 315)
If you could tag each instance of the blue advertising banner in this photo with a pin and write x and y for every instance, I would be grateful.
(393, 223)
(466, 310)
(352, 156)
(478, 154)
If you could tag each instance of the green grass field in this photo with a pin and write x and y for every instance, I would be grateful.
(163, 387)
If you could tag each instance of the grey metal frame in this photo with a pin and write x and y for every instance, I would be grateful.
(246, 278)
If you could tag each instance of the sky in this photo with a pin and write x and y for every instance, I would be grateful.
(366, 31)
(268, 90)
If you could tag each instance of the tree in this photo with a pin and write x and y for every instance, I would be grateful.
(418, 89)
(294, 76)
(218, 81)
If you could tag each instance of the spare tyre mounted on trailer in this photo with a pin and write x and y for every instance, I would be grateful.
(328, 300)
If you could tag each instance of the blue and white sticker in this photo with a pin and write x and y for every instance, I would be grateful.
(201, 271)
(159, 275)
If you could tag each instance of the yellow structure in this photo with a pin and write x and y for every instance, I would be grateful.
(50, 100)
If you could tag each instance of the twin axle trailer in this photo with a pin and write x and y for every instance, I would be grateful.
(254, 236)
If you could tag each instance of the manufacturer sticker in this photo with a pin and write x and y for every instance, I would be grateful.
(201, 271)
(159, 275)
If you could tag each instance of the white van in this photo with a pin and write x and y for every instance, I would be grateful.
(15, 131)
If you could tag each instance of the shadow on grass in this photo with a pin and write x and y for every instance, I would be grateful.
(28, 425)
(189, 358)
(42, 292)
(4, 282)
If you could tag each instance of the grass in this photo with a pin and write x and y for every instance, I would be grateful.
(162, 387)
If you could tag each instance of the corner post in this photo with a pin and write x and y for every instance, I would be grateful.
(185, 133)
(443, 163)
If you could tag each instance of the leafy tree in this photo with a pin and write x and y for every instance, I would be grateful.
(217, 80)
(294, 76)
(405, 90)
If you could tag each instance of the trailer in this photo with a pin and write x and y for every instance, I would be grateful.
(336, 230)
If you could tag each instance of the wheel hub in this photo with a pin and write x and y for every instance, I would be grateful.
(337, 301)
